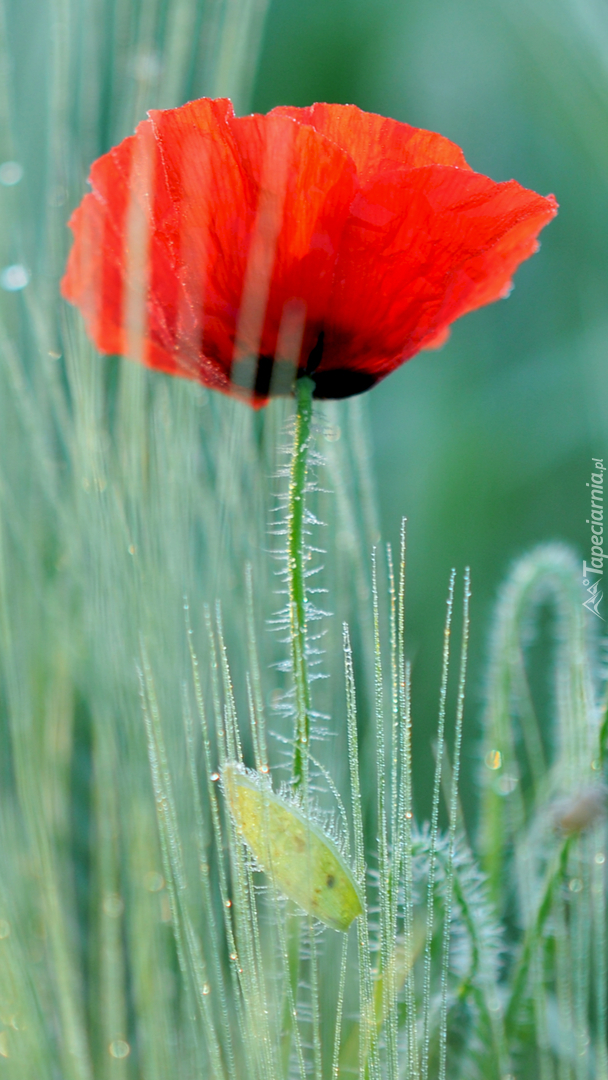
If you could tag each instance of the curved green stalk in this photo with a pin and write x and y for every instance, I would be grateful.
(295, 573)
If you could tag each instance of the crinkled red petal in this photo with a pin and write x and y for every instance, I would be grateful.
(441, 241)
(375, 143)
(237, 250)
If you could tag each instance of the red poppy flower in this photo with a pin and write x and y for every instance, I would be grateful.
(325, 240)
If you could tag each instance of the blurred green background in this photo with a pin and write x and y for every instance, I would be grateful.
(486, 445)
(122, 489)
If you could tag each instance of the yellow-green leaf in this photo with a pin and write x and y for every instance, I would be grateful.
(302, 861)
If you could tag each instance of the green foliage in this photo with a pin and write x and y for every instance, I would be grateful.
(485, 445)
(137, 938)
(543, 831)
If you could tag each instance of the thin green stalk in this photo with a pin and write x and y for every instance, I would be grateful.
(368, 1051)
(555, 875)
(295, 572)
(453, 820)
(335, 1068)
(430, 894)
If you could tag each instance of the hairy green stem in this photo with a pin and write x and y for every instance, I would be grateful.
(295, 573)
(297, 633)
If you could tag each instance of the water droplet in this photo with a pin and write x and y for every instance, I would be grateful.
(600, 858)
(228, 903)
(493, 759)
(146, 66)
(233, 956)
(596, 764)
(409, 815)
(575, 885)
(206, 988)
(15, 277)
(119, 1049)
(154, 881)
(11, 172)
(506, 784)
(4, 929)
(113, 905)
(264, 769)
(215, 776)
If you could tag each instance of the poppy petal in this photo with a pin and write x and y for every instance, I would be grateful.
(376, 143)
(324, 240)
(306, 185)
(442, 241)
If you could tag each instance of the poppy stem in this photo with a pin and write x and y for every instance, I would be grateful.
(295, 574)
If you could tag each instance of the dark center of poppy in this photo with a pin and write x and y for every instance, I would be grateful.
(333, 383)
(316, 354)
(265, 366)
(336, 382)
(263, 375)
